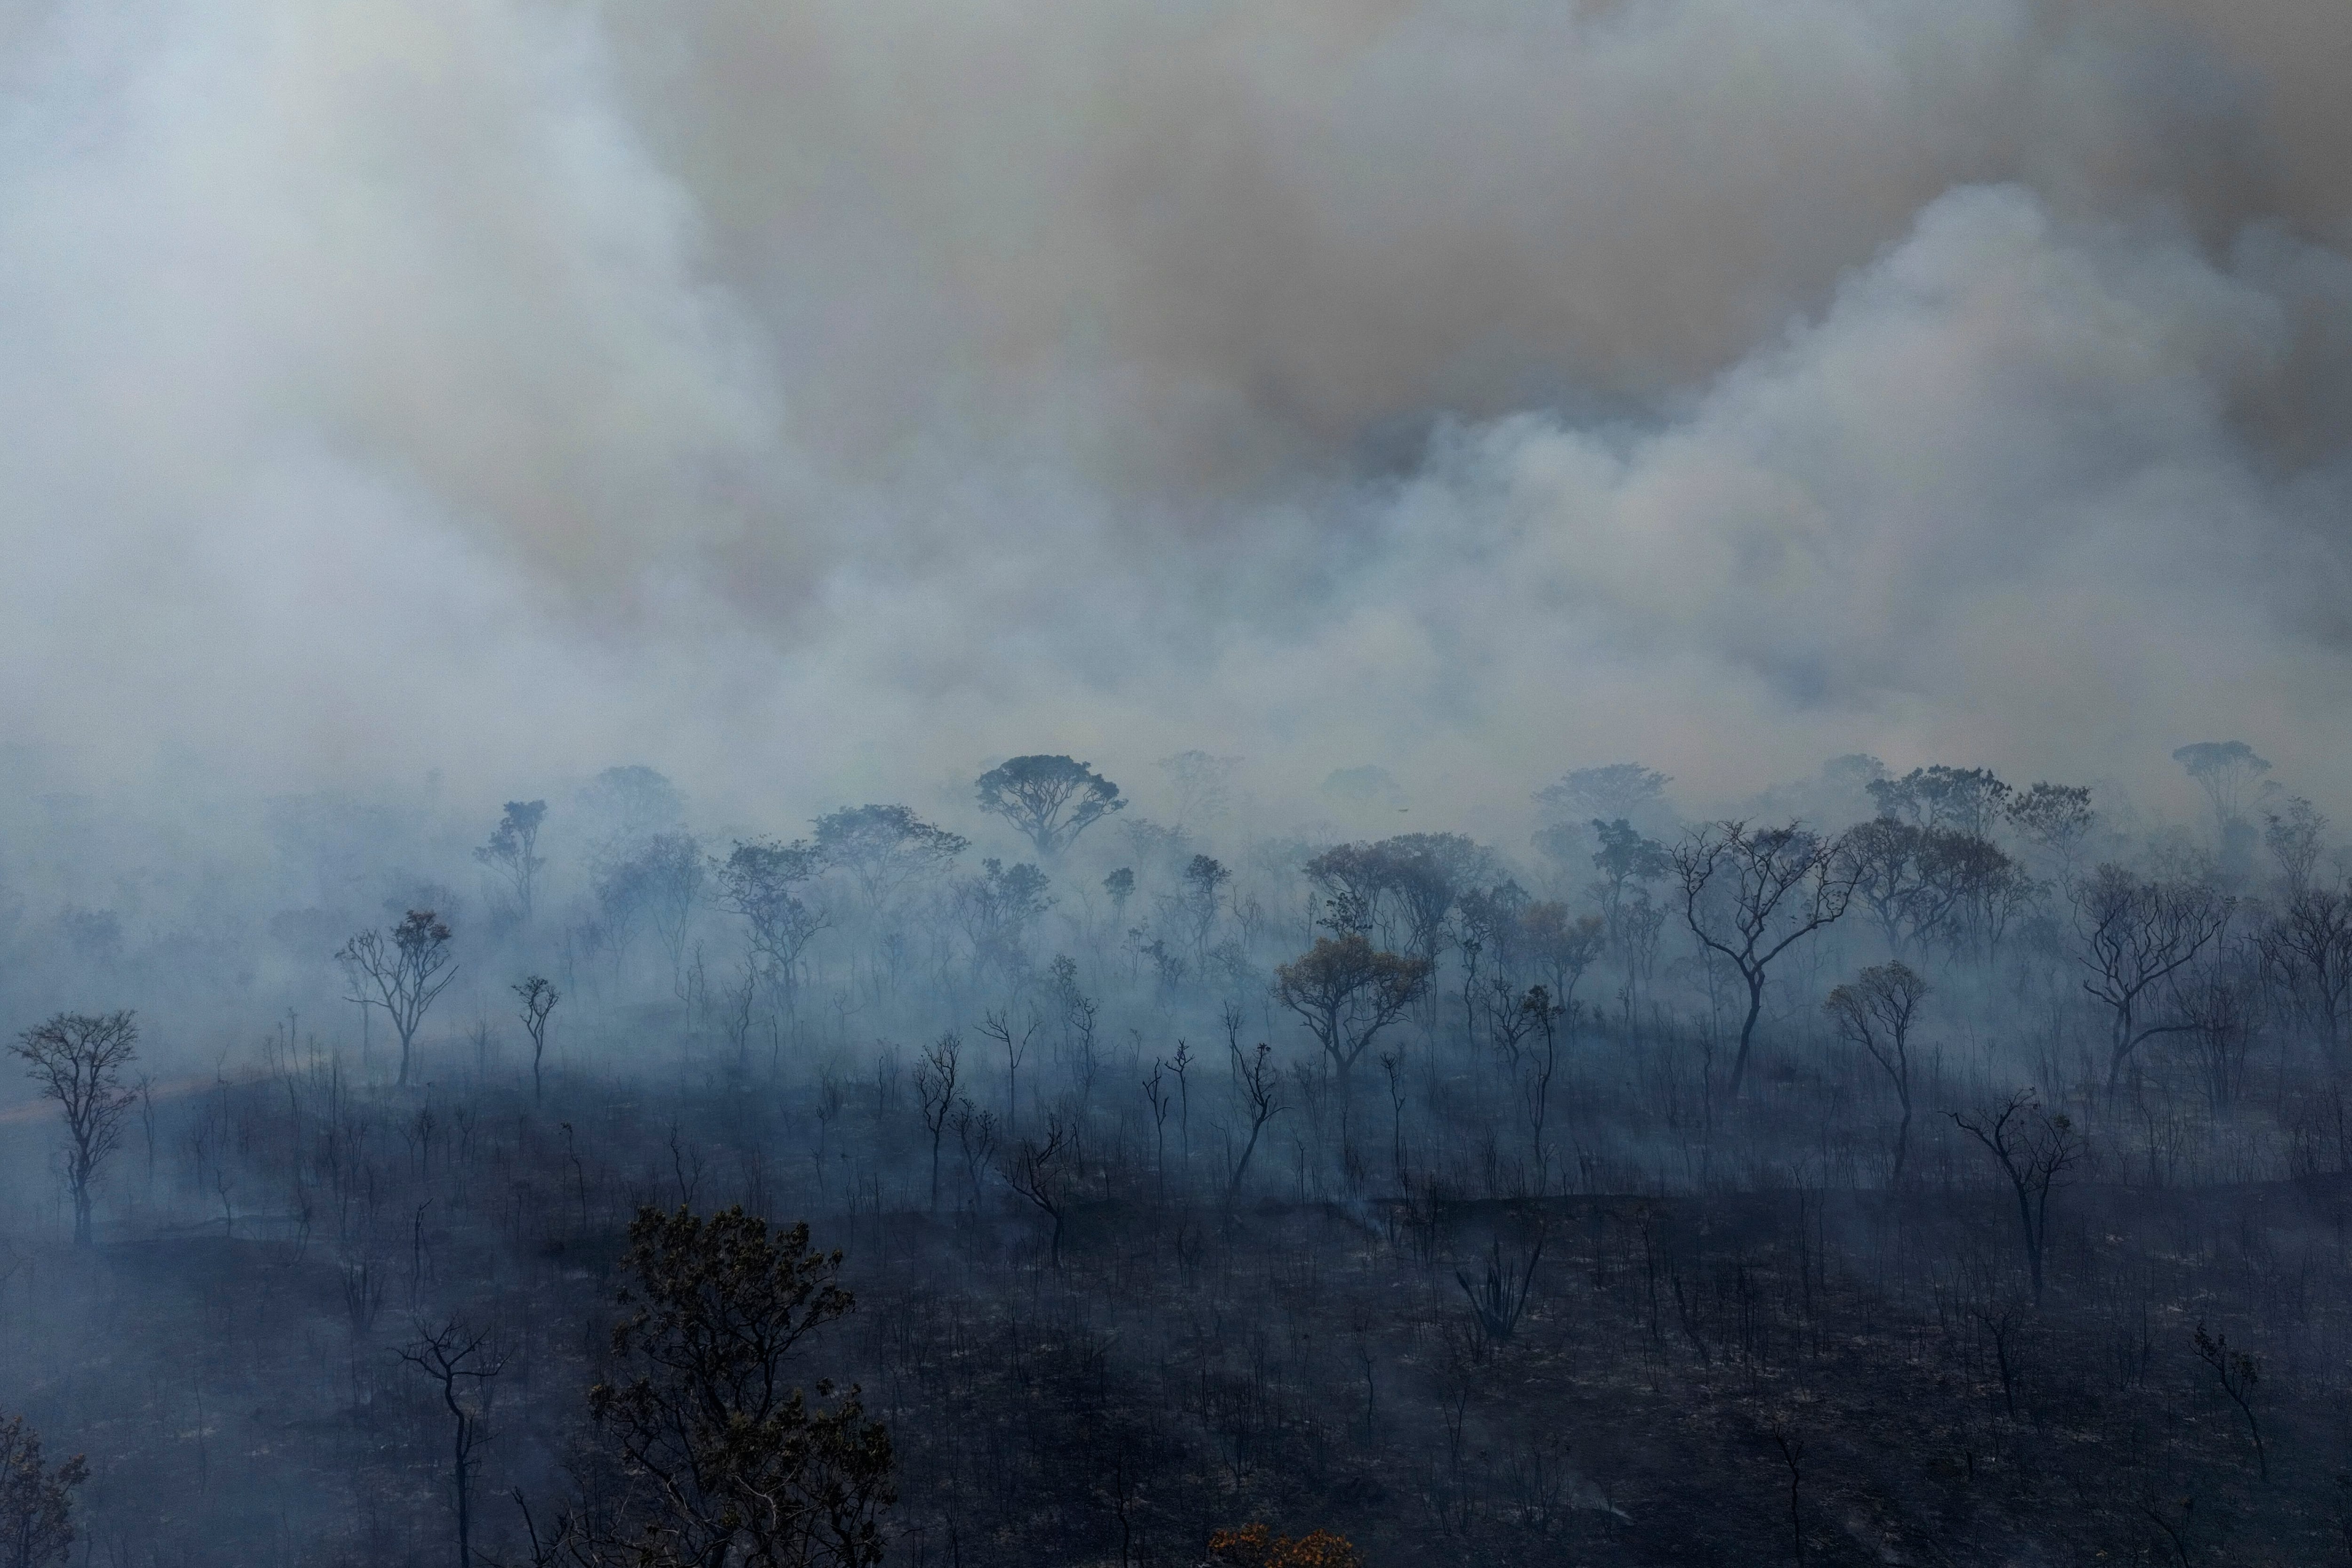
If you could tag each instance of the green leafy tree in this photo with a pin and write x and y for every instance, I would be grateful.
(1049, 799)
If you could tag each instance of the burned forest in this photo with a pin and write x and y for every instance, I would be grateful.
(1965, 1179)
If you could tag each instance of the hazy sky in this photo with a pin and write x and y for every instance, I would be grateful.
(817, 400)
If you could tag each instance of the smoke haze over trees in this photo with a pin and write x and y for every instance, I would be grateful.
(817, 399)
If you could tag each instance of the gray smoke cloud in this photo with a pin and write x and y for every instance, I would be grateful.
(812, 398)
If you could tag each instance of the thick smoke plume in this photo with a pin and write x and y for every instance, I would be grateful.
(806, 398)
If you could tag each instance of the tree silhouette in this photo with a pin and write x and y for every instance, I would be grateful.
(1049, 799)
(78, 1059)
(406, 974)
(1348, 993)
(1877, 1012)
(35, 1499)
(724, 1459)
(1751, 896)
(512, 852)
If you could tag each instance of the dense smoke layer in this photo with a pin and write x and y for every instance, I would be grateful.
(813, 399)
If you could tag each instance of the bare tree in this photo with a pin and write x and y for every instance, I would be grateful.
(2295, 835)
(406, 974)
(2134, 935)
(1261, 1085)
(1790, 1444)
(1538, 1010)
(78, 1059)
(2307, 946)
(1877, 1013)
(935, 1087)
(998, 1026)
(1500, 1299)
(1156, 1094)
(1036, 1172)
(2032, 1150)
(2239, 1373)
(538, 999)
(1751, 896)
(449, 1355)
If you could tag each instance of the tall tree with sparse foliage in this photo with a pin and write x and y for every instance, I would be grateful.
(78, 1059)
(512, 853)
(404, 974)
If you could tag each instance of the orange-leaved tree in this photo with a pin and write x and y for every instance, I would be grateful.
(1254, 1546)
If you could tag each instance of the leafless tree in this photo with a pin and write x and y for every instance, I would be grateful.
(1261, 1085)
(1500, 1299)
(2133, 935)
(1156, 1094)
(1751, 896)
(2307, 947)
(1035, 1172)
(998, 1026)
(1790, 1442)
(2033, 1150)
(78, 1059)
(1545, 1016)
(405, 974)
(2239, 1373)
(935, 1087)
(975, 1132)
(449, 1355)
(2295, 834)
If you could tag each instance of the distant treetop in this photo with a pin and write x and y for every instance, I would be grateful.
(1049, 799)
